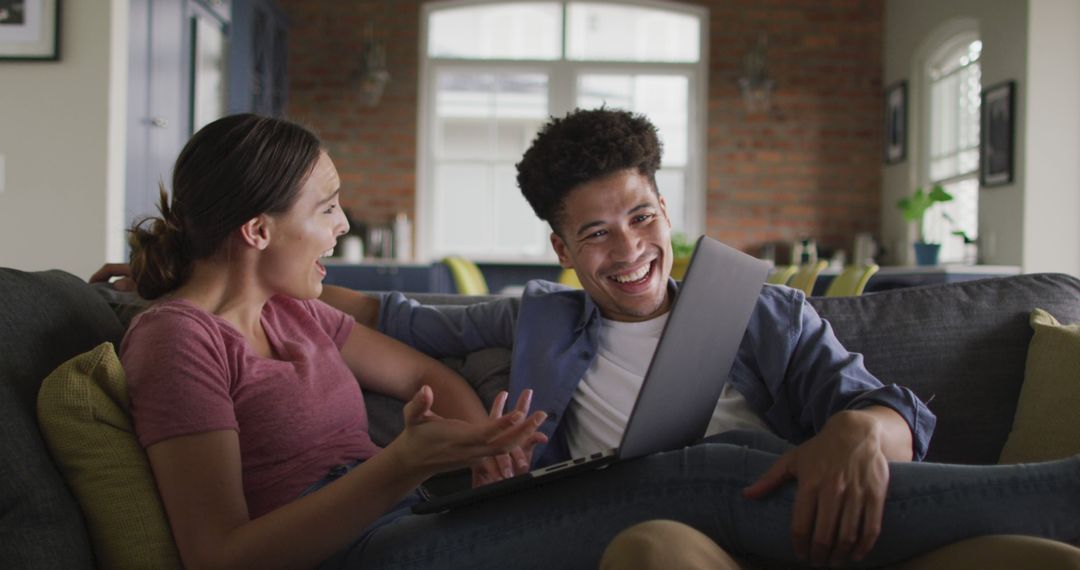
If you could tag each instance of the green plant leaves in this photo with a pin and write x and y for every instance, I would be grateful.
(914, 207)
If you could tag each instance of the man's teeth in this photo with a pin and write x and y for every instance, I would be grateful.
(635, 276)
(328, 253)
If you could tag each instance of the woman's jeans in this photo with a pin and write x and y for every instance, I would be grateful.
(567, 523)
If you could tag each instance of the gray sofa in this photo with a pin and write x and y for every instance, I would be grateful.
(962, 347)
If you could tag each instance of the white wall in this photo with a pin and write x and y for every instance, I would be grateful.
(61, 133)
(1051, 240)
(911, 26)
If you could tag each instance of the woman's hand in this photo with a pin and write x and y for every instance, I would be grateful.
(431, 444)
(518, 460)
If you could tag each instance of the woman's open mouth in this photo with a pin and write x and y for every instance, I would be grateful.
(319, 265)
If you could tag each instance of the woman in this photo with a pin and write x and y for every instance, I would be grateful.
(242, 385)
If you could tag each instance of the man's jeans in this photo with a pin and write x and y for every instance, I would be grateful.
(568, 522)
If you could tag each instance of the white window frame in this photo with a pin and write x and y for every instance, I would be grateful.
(948, 39)
(562, 95)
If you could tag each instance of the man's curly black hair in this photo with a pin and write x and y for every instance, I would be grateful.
(583, 146)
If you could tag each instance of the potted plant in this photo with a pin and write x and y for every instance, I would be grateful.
(914, 208)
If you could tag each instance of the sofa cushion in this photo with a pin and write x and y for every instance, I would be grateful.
(961, 347)
(1045, 425)
(45, 319)
(126, 304)
(83, 411)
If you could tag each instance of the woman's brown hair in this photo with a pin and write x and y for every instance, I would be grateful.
(230, 171)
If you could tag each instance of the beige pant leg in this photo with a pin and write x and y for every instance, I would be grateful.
(998, 552)
(665, 544)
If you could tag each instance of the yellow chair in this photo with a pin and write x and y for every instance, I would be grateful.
(569, 278)
(679, 265)
(806, 276)
(781, 274)
(467, 277)
(851, 281)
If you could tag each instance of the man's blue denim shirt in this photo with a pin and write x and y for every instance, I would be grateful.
(790, 366)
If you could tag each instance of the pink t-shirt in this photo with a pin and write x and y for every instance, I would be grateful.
(190, 371)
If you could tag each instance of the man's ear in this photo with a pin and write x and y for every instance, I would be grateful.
(561, 250)
(256, 232)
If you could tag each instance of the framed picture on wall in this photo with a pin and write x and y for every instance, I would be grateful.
(896, 122)
(997, 137)
(30, 30)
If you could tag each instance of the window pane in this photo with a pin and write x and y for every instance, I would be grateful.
(970, 86)
(487, 115)
(519, 30)
(664, 99)
(612, 90)
(483, 122)
(463, 138)
(463, 207)
(954, 127)
(608, 32)
(517, 229)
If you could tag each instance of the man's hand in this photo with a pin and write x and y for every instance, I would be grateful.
(518, 460)
(843, 476)
(110, 270)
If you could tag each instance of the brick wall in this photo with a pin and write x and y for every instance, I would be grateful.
(374, 148)
(809, 166)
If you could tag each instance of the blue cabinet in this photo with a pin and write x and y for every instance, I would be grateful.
(389, 276)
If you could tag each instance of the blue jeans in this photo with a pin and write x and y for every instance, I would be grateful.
(567, 523)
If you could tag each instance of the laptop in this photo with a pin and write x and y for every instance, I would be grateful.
(685, 377)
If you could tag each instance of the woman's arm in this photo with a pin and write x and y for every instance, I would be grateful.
(201, 485)
(389, 367)
(200, 481)
(385, 365)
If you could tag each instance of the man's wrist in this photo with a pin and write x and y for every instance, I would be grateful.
(885, 425)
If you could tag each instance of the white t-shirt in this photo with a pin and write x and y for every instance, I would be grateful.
(604, 398)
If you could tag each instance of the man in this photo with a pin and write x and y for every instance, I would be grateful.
(591, 176)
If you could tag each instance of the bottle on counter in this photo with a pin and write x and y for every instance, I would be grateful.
(402, 237)
(809, 252)
(351, 249)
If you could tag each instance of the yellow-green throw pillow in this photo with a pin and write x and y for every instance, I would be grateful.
(1045, 425)
(83, 413)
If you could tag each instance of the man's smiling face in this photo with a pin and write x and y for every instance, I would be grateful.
(616, 235)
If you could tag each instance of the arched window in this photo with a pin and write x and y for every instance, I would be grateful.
(954, 80)
(493, 72)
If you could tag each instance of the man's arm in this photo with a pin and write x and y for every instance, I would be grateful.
(363, 308)
(448, 330)
(810, 376)
(842, 471)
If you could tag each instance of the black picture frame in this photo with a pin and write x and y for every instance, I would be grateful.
(29, 30)
(896, 123)
(997, 134)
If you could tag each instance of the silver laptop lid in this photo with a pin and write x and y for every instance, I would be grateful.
(696, 350)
